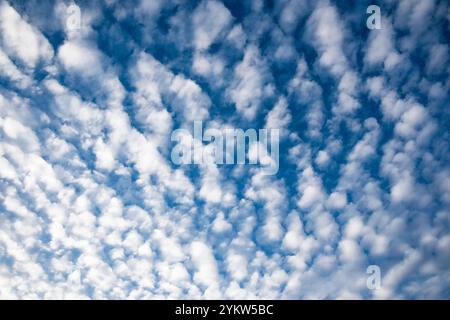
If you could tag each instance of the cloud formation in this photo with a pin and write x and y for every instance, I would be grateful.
(92, 207)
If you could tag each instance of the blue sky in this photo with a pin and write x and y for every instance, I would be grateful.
(91, 205)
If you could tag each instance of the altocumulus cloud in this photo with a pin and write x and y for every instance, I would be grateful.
(91, 205)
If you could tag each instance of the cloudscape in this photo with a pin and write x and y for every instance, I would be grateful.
(280, 149)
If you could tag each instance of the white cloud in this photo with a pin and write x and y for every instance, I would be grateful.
(22, 40)
(206, 267)
(327, 31)
(279, 117)
(105, 158)
(80, 57)
(9, 70)
(337, 200)
(153, 80)
(237, 266)
(209, 20)
(308, 93)
(381, 48)
(220, 225)
(250, 84)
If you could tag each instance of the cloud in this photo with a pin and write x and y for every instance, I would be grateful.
(206, 269)
(10, 71)
(279, 117)
(325, 28)
(250, 84)
(22, 40)
(381, 48)
(209, 20)
(81, 58)
(92, 207)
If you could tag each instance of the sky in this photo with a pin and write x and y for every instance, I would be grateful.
(93, 207)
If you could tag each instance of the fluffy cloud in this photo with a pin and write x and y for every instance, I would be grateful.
(91, 205)
(251, 83)
(209, 20)
(22, 40)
